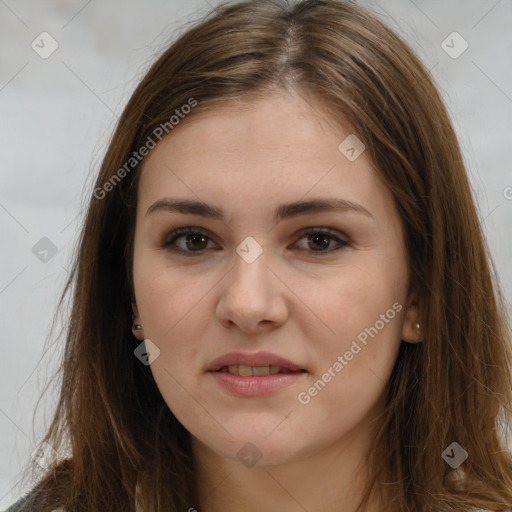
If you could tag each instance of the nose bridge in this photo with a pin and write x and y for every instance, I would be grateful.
(250, 272)
(249, 294)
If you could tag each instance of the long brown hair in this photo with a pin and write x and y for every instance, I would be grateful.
(454, 387)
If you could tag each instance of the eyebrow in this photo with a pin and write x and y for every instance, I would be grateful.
(284, 211)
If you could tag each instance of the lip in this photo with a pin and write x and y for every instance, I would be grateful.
(255, 359)
(255, 386)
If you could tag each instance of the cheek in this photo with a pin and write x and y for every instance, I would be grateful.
(363, 310)
(167, 296)
(354, 365)
(353, 297)
(172, 308)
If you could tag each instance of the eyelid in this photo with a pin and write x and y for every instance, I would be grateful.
(339, 237)
(184, 230)
(335, 233)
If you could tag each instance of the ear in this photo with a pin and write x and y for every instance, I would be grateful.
(410, 331)
(138, 333)
(135, 310)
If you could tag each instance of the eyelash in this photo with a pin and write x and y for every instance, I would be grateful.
(177, 233)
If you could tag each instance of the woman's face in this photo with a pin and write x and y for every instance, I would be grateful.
(334, 304)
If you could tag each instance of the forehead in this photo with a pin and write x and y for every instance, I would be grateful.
(271, 150)
(278, 124)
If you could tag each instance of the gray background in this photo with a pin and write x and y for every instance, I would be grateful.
(57, 114)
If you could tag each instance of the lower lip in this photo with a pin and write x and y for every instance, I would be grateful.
(256, 386)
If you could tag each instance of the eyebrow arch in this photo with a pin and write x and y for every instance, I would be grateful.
(284, 211)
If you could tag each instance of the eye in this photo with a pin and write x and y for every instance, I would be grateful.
(193, 238)
(322, 238)
(195, 241)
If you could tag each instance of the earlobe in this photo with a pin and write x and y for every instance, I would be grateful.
(412, 331)
(136, 327)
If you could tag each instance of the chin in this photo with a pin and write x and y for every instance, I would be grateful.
(251, 448)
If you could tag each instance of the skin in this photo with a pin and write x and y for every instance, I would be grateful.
(302, 300)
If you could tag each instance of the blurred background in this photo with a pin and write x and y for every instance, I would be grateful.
(68, 67)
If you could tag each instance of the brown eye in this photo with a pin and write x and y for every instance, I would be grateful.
(194, 241)
(319, 240)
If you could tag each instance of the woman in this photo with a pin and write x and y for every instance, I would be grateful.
(337, 340)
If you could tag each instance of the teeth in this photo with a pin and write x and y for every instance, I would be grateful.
(233, 369)
(244, 371)
(260, 370)
(248, 371)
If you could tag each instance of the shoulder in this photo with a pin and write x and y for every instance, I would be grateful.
(25, 504)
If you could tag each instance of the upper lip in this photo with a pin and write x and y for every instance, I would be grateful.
(255, 359)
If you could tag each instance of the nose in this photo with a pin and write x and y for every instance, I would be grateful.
(253, 296)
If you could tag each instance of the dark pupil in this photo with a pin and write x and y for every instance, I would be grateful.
(198, 238)
(317, 237)
(195, 238)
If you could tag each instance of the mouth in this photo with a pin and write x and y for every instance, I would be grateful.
(247, 364)
(256, 374)
(256, 371)
(256, 381)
